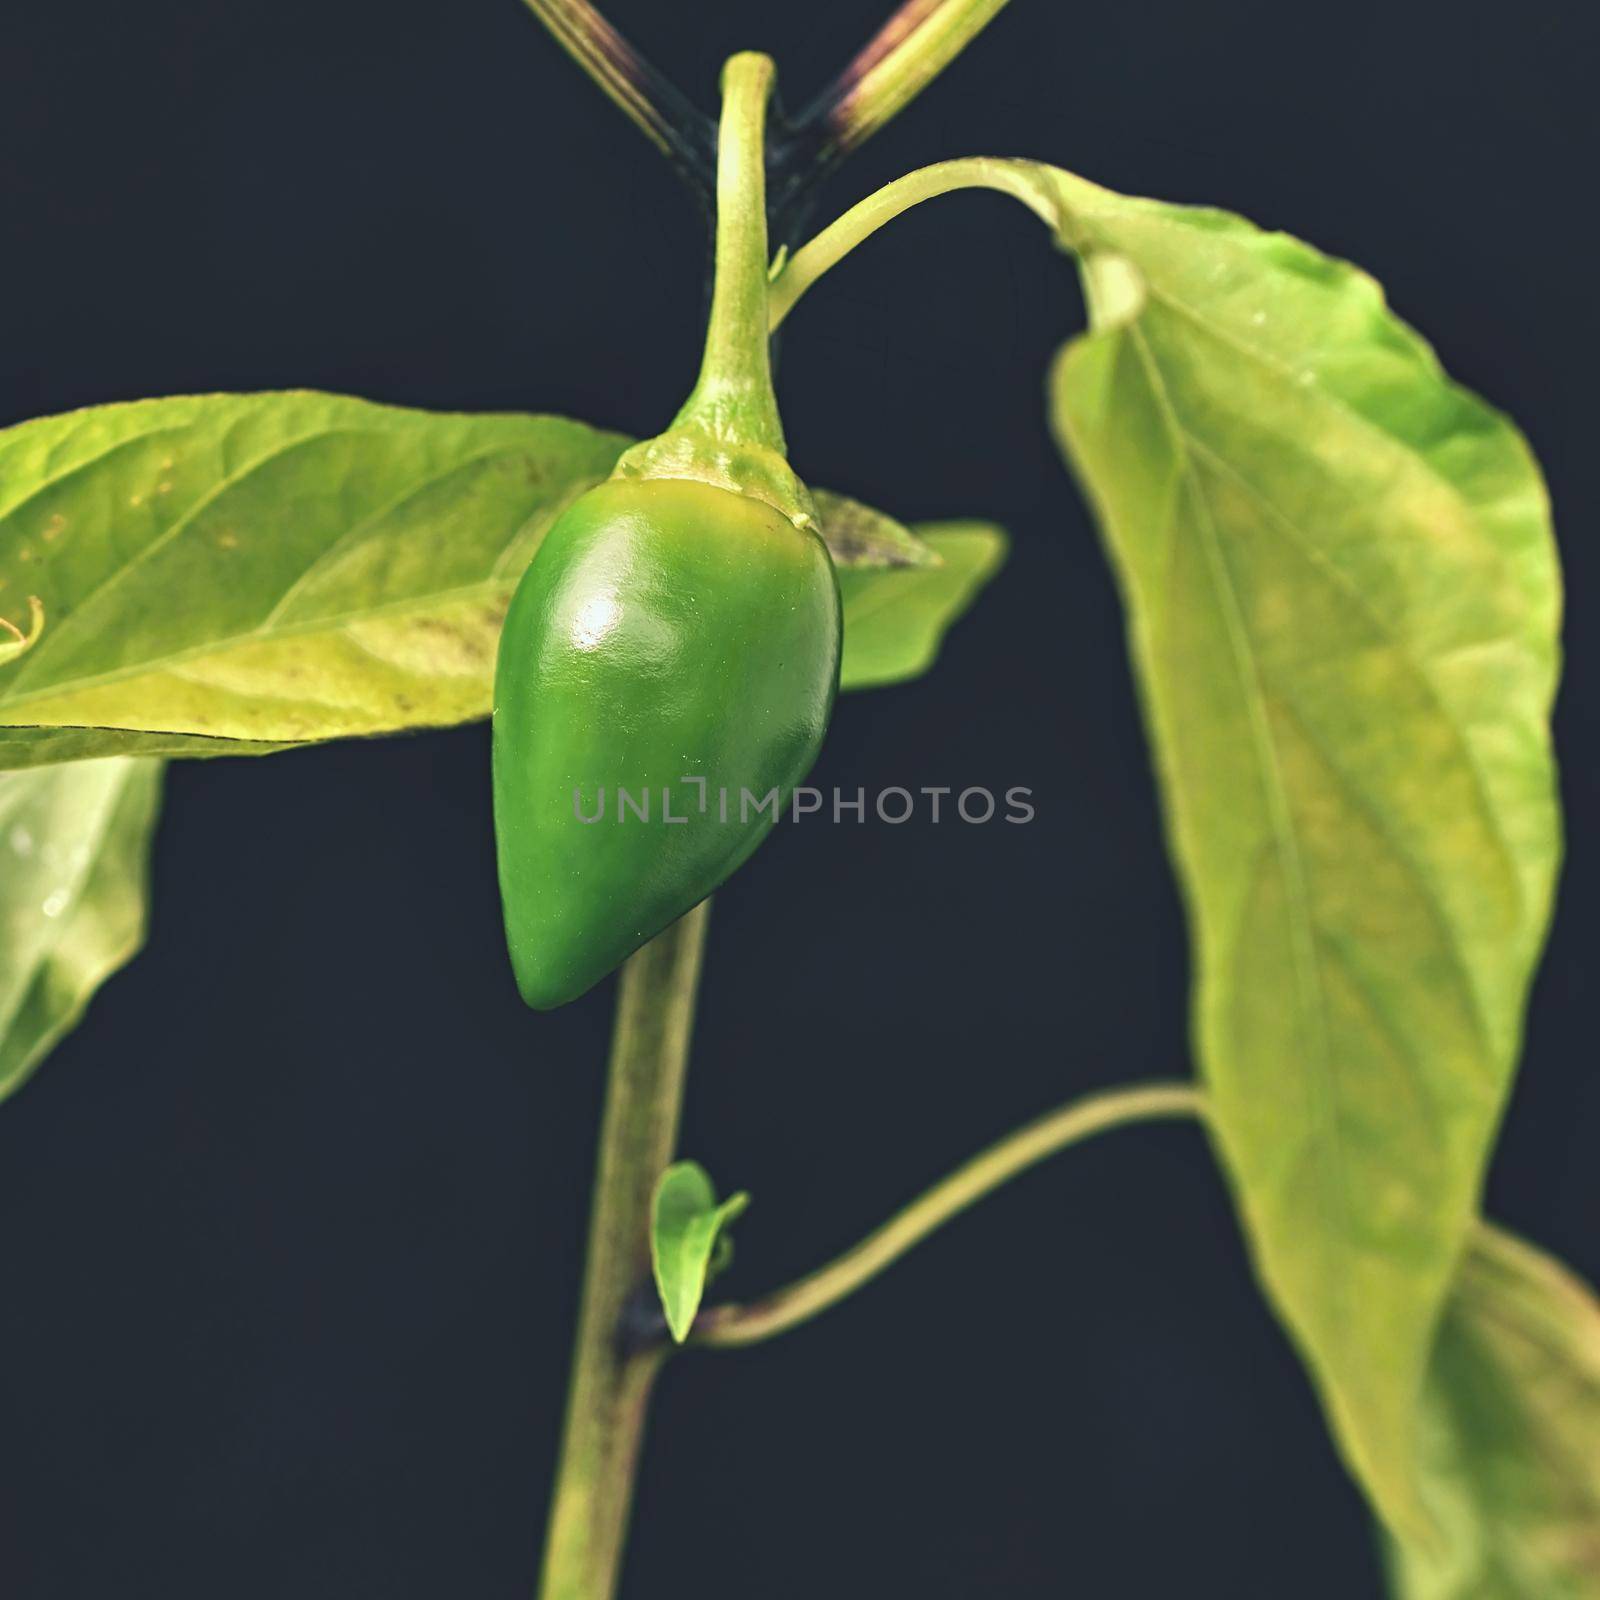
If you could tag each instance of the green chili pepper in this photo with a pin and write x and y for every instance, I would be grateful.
(666, 675)
(670, 658)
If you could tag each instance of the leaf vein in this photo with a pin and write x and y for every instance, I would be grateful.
(1332, 1180)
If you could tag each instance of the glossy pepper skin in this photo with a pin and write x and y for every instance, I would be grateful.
(666, 629)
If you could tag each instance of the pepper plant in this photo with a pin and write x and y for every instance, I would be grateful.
(1342, 605)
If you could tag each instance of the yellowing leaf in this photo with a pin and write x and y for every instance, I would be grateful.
(74, 869)
(1511, 1435)
(232, 572)
(1343, 602)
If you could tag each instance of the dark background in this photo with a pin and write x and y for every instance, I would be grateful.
(290, 1228)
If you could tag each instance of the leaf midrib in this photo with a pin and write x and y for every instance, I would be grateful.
(465, 594)
(1331, 1166)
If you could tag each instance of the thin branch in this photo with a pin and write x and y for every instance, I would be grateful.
(680, 130)
(724, 1326)
(911, 49)
(889, 37)
(825, 250)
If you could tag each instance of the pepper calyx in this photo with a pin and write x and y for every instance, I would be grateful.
(702, 453)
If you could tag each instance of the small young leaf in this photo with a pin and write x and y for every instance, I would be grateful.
(1511, 1435)
(688, 1240)
(236, 574)
(74, 857)
(1343, 604)
(895, 618)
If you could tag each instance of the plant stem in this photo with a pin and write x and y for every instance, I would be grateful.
(798, 1302)
(733, 396)
(911, 49)
(678, 129)
(840, 237)
(612, 1373)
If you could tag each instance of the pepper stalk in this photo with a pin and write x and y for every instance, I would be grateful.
(728, 433)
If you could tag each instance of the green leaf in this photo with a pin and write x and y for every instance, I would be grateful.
(687, 1240)
(231, 572)
(235, 574)
(1511, 1436)
(75, 846)
(1343, 604)
(895, 618)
